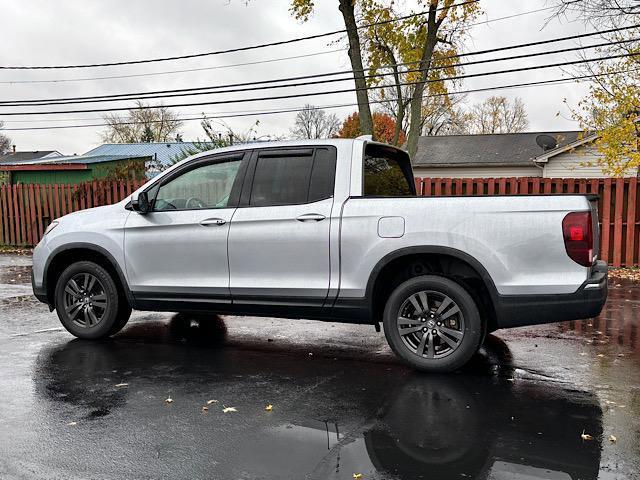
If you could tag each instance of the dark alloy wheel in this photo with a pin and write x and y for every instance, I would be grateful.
(88, 303)
(85, 300)
(432, 323)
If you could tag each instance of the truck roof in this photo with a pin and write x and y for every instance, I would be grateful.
(289, 143)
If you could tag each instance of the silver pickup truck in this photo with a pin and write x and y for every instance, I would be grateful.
(329, 230)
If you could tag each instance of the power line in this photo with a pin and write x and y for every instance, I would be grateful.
(231, 50)
(188, 70)
(207, 90)
(331, 92)
(292, 110)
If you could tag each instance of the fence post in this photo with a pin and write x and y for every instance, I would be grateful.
(11, 215)
(617, 225)
(39, 210)
(606, 220)
(630, 249)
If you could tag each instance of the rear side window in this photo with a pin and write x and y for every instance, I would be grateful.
(294, 177)
(387, 173)
(323, 175)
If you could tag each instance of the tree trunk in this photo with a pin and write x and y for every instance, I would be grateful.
(364, 110)
(415, 115)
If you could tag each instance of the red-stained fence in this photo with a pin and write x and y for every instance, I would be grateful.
(27, 210)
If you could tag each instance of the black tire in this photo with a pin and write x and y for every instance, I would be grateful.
(466, 324)
(106, 318)
(124, 312)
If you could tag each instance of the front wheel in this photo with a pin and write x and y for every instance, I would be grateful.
(432, 323)
(87, 301)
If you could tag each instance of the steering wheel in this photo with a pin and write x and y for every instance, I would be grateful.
(195, 202)
(223, 203)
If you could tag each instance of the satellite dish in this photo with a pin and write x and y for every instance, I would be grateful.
(546, 142)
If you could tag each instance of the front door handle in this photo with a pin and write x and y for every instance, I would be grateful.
(208, 222)
(310, 216)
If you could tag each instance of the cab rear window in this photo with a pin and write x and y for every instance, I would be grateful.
(387, 173)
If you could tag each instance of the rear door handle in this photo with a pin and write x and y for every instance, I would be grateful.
(310, 216)
(208, 222)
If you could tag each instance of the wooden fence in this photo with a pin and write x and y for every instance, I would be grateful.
(27, 210)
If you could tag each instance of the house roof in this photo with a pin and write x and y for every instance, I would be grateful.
(17, 157)
(503, 149)
(581, 140)
(56, 162)
(163, 152)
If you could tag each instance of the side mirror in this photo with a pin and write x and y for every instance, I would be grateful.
(141, 203)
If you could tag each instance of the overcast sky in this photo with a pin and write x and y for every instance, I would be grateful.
(42, 32)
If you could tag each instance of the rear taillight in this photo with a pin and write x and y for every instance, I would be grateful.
(578, 237)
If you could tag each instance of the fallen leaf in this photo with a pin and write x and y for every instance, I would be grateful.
(209, 402)
(71, 424)
(268, 408)
(621, 354)
(205, 409)
(601, 355)
(357, 476)
(168, 400)
(586, 436)
(122, 385)
(621, 406)
(613, 439)
(229, 409)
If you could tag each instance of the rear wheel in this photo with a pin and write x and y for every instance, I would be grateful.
(87, 301)
(432, 323)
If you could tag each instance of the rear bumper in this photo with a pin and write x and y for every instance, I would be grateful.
(586, 302)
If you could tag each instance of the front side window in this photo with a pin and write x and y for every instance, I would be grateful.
(208, 186)
(386, 173)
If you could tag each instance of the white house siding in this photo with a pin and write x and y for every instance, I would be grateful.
(578, 163)
(477, 172)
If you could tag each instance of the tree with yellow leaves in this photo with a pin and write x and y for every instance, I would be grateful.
(418, 50)
(612, 110)
(612, 107)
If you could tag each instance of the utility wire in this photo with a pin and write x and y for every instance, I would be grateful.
(231, 50)
(167, 72)
(331, 92)
(279, 59)
(208, 90)
(292, 110)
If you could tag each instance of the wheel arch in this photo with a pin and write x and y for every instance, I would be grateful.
(408, 262)
(68, 254)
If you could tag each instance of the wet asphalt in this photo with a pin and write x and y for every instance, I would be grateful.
(342, 405)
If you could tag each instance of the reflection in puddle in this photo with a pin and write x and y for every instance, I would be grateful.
(617, 323)
(330, 419)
